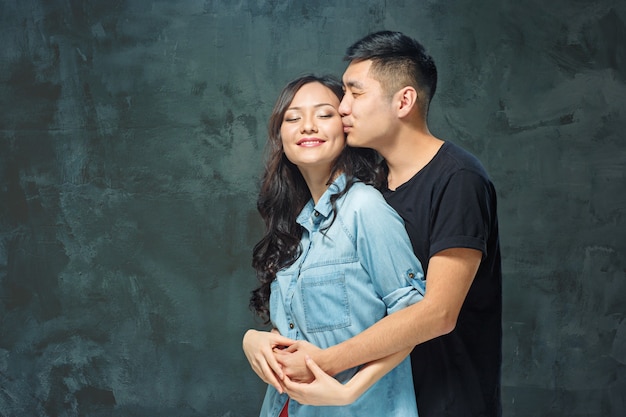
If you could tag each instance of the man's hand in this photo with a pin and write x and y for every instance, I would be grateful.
(293, 360)
(259, 348)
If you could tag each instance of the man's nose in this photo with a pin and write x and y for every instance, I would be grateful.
(344, 106)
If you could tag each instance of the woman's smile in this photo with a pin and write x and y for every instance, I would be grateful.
(310, 142)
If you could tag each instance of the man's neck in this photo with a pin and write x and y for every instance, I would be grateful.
(411, 154)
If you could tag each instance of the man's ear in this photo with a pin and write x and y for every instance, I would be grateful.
(406, 99)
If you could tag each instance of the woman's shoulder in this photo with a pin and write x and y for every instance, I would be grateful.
(365, 205)
(364, 197)
(365, 191)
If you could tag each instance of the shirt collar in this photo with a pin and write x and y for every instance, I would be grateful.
(323, 206)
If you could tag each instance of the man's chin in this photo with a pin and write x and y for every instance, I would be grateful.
(352, 141)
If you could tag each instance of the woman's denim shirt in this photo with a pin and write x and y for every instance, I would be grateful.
(351, 273)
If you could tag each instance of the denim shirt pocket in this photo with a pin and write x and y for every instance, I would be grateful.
(325, 302)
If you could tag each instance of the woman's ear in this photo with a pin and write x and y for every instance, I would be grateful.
(406, 99)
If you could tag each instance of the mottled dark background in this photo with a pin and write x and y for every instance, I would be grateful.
(131, 134)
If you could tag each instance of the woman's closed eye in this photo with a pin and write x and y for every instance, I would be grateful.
(292, 117)
(329, 113)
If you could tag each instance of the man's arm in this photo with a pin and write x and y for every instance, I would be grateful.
(449, 277)
(326, 390)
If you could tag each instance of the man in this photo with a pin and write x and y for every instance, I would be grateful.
(449, 207)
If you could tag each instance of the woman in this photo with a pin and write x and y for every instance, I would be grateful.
(335, 257)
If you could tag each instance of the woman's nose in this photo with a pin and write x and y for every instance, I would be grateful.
(308, 124)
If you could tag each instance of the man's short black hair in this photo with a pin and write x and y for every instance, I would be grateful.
(397, 61)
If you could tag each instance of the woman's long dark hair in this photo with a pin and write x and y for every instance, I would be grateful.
(284, 193)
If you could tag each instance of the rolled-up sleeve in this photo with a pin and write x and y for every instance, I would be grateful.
(385, 251)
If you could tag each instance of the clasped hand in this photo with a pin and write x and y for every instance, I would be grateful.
(288, 366)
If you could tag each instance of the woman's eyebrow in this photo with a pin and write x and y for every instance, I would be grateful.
(315, 106)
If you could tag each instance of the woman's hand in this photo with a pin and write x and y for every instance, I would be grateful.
(259, 348)
(324, 390)
(292, 360)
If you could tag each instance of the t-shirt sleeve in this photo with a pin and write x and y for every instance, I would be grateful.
(463, 213)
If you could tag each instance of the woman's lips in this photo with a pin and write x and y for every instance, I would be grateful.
(310, 142)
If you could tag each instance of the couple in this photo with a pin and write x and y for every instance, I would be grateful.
(341, 283)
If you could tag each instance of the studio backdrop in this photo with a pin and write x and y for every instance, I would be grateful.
(131, 144)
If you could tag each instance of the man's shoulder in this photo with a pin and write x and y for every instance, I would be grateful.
(458, 158)
(451, 164)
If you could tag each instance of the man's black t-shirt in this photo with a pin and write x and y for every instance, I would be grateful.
(451, 203)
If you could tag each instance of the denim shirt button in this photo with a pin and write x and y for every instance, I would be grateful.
(291, 325)
(316, 213)
(411, 275)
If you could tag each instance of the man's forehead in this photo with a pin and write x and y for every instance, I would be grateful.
(357, 74)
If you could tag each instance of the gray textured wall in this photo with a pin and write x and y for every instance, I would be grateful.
(130, 142)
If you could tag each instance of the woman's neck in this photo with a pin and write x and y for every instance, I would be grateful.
(317, 181)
